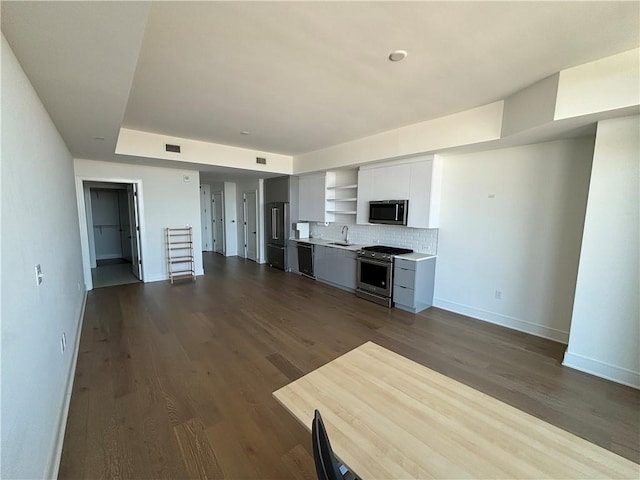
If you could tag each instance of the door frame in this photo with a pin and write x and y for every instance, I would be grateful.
(84, 230)
(224, 229)
(245, 225)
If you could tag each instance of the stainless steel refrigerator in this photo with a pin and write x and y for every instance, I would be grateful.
(277, 223)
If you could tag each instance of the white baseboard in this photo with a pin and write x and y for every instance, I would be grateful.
(56, 455)
(602, 369)
(164, 277)
(155, 278)
(503, 320)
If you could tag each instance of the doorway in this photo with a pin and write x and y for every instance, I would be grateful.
(250, 201)
(206, 218)
(113, 231)
(217, 199)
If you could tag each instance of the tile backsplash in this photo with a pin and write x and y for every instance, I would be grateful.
(421, 240)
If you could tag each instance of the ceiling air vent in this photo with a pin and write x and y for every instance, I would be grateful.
(261, 160)
(172, 148)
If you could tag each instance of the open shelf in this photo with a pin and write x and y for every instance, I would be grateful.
(180, 253)
(343, 187)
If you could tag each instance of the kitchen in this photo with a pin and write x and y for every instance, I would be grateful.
(533, 130)
(387, 255)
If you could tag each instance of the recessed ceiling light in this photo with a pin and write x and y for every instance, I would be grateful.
(397, 55)
(244, 132)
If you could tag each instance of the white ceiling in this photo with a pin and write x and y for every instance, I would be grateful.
(299, 76)
(80, 58)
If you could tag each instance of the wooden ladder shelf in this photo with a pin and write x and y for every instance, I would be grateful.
(180, 254)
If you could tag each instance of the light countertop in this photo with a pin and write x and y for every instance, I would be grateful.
(415, 256)
(328, 243)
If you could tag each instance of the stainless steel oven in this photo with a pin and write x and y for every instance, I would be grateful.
(374, 279)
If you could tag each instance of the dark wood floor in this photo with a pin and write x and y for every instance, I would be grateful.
(176, 381)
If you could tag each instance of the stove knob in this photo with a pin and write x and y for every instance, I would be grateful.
(373, 254)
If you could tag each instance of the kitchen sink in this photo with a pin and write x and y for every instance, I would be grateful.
(341, 244)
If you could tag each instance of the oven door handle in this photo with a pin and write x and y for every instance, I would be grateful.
(382, 263)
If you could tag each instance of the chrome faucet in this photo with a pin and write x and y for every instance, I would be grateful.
(345, 233)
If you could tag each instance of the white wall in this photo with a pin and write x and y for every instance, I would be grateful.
(152, 145)
(476, 125)
(511, 220)
(605, 327)
(606, 84)
(39, 226)
(167, 201)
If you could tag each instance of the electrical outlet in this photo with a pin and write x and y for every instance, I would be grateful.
(498, 295)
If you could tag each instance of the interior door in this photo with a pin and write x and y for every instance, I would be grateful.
(218, 222)
(134, 222)
(251, 226)
(206, 218)
(125, 225)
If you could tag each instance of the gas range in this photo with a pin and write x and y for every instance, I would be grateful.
(381, 252)
(375, 273)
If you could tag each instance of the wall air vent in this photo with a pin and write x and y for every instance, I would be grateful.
(261, 160)
(172, 148)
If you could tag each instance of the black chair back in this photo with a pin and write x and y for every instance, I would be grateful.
(327, 467)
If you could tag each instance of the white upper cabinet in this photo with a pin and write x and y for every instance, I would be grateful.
(311, 206)
(365, 194)
(392, 183)
(418, 181)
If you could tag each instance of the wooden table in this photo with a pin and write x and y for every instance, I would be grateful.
(389, 417)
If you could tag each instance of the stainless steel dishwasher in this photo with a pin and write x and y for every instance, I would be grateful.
(305, 259)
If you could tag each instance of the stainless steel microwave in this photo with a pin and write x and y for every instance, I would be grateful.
(389, 212)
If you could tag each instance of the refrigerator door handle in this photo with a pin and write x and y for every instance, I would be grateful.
(274, 223)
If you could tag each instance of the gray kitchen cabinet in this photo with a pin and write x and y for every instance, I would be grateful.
(292, 252)
(312, 195)
(413, 282)
(335, 266)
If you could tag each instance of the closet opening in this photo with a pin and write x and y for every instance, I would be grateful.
(113, 231)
